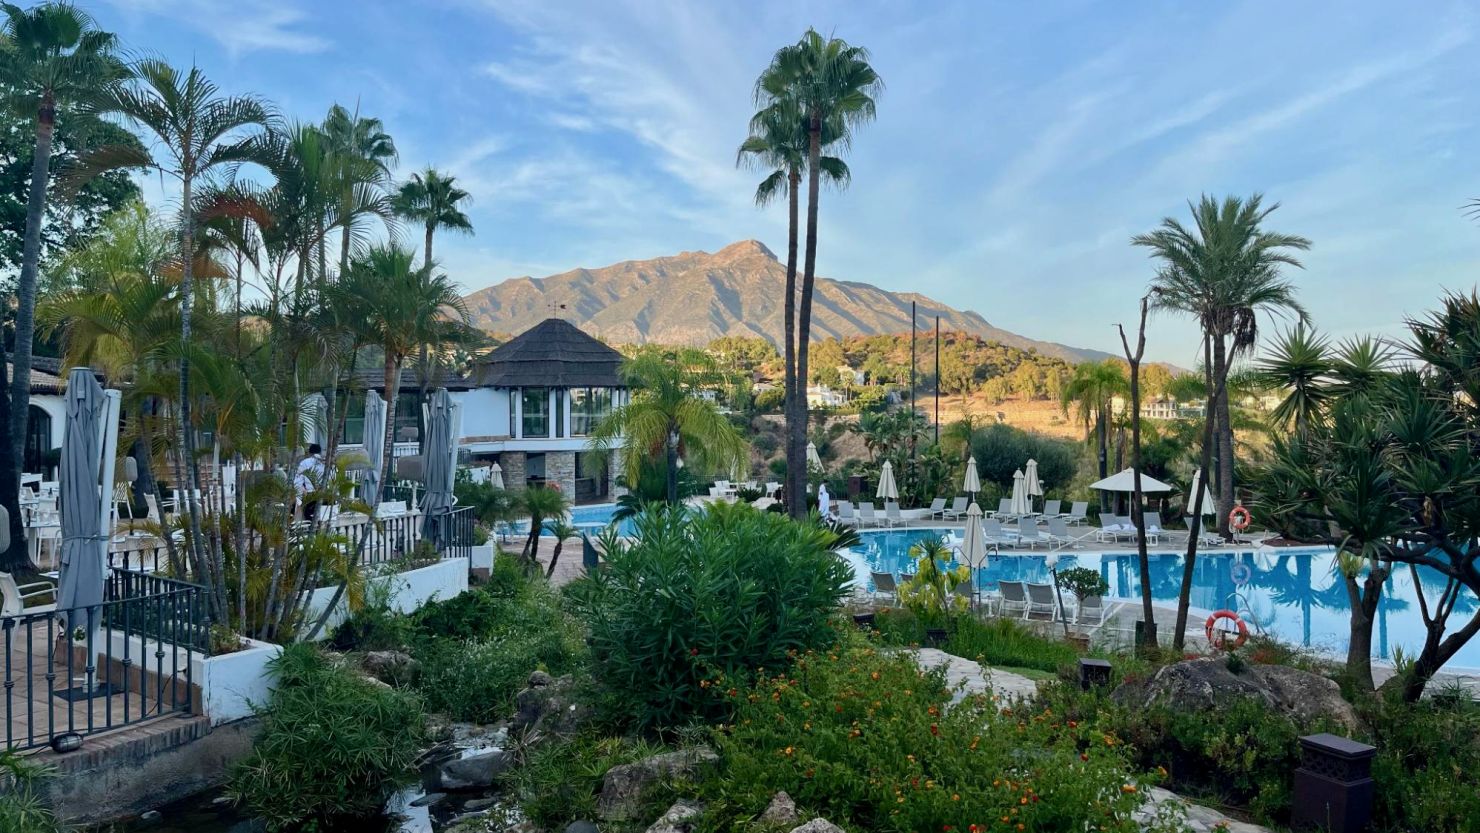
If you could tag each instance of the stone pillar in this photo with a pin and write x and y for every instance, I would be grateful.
(613, 473)
(560, 468)
(515, 472)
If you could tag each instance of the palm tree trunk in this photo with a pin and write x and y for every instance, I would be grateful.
(392, 390)
(796, 455)
(1102, 452)
(804, 315)
(194, 540)
(671, 451)
(1362, 598)
(426, 258)
(1223, 435)
(25, 313)
(18, 557)
(1194, 523)
(555, 556)
(1138, 515)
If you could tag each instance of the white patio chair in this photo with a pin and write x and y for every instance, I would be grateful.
(938, 508)
(846, 516)
(1091, 610)
(13, 596)
(884, 585)
(1051, 508)
(1058, 533)
(1040, 600)
(1004, 509)
(957, 510)
(1014, 597)
(892, 517)
(1028, 534)
(866, 516)
(994, 533)
(1077, 513)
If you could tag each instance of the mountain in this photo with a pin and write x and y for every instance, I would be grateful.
(695, 297)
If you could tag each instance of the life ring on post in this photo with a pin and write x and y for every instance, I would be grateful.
(1240, 626)
(1239, 518)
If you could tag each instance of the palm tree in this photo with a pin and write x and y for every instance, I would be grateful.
(197, 132)
(361, 155)
(434, 200)
(1298, 365)
(778, 142)
(1223, 271)
(51, 55)
(561, 530)
(1091, 390)
(398, 308)
(541, 503)
(667, 418)
(830, 84)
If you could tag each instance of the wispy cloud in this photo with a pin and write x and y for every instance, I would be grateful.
(240, 26)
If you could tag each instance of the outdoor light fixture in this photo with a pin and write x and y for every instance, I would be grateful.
(66, 742)
(1093, 673)
(1333, 786)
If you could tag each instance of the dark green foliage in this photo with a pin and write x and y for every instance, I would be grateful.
(1426, 751)
(374, 626)
(1001, 449)
(999, 642)
(1083, 582)
(559, 781)
(21, 809)
(696, 596)
(333, 745)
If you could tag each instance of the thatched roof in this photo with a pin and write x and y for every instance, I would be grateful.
(46, 374)
(553, 353)
(373, 378)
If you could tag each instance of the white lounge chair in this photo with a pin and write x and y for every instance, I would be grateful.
(1004, 509)
(937, 508)
(1051, 508)
(1028, 534)
(866, 516)
(1059, 534)
(846, 515)
(1112, 528)
(1014, 597)
(884, 585)
(13, 596)
(891, 514)
(957, 510)
(993, 532)
(1040, 600)
(1091, 610)
(1077, 513)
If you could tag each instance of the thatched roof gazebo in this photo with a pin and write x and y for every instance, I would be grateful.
(553, 353)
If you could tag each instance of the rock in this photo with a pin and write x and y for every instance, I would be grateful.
(473, 771)
(428, 800)
(390, 666)
(781, 811)
(1202, 685)
(818, 826)
(680, 818)
(1161, 804)
(582, 826)
(150, 817)
(623, 786)
(548, 707)
(479, 804)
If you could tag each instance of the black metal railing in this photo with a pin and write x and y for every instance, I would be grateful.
(453, 532)
(86, 670)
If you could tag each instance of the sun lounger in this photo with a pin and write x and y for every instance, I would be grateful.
(1028, 534)
(1091, 610)
(866, 516)
(846, 515)
(1014, 597)
(1059, 534)
(957, 510)
(937, 508)
(1077, 513)
(966, 590)
(1040, 600)
(1113, 528)
(1051, 508)
(1004, 509)
(891, 514)
(884, 585)
(993, 532)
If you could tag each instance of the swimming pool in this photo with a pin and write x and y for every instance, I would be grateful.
(1294, 594)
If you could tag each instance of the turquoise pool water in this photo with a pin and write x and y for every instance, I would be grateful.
(1294, 594)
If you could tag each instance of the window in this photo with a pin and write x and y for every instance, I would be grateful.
(354, 419)
(513, 412)
(408, 418)
(536, 405)
(560, 413)
(588, 407)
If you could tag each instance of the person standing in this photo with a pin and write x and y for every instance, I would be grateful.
(310, 477)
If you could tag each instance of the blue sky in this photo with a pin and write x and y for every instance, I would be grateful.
(1018, 146)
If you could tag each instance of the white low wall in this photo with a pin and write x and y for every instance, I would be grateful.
(481, 557)
(231, 684)
(408, 591)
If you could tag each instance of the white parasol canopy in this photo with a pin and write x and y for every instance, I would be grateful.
(1030, 481)
(496, 476)
(1020, 504)
(1125, 482)
(887, 490)
(1209, 505)
(973, 482)
(813, 461)
(974, 542)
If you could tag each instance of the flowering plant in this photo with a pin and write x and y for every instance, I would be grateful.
(931, 593)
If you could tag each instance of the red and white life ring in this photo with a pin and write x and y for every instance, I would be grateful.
(1240, 627)
(1239, 518)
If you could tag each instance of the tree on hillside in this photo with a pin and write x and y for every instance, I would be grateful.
(1091, 390)
(832, 87)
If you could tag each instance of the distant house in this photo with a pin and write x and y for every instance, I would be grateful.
(851, 376)
(1157, 407)
(529, 405)
(822, 396)
(48, 413)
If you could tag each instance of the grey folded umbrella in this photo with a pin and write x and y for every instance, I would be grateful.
(374, 445)
(84, 559)
(439, 453)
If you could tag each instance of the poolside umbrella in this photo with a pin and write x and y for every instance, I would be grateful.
(84, 558)
(974, 543)
(973, 482)
(813, 461)
(496, 476)
(1030, 480)
(1020, 505)
(439, 455)
(1209, 506)
(1124, 481)
(374, 445)
(887, 488)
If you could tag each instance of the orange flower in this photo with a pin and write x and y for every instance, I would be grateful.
(1128, 788)
(788, 751)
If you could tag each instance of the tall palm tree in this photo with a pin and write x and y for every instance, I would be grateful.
(1224, 271)
(667, 419)
(362, 155)
(433, 199)
(1091, 390)
(51, 55)
(398, 307)
(832, 86)
(1297, 364)
(197, 132)
(778, 143)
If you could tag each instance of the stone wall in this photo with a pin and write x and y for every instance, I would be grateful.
(614, 472)
(560, 469)
(515, 471)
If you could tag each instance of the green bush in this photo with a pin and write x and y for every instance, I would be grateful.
(996, 641)
(697, 595)
(374, 626)
(1425, 751)
(559, 781)
(21, 809)
(333, 745)
(477, 649)
(867, 740)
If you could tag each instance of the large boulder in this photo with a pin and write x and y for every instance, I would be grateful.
(394, 667)
(547, 706)
(682, 817)
(818, 826)
(473, 771)
(781, 812)
(1202, 685)
(623, 787)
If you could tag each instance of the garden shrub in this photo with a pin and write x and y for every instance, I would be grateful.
(21, 809)
(995, 641)
(559, 780)
(868, 740)
(727, 591)
(374, 625)
(1425, 752)
(333, 745)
